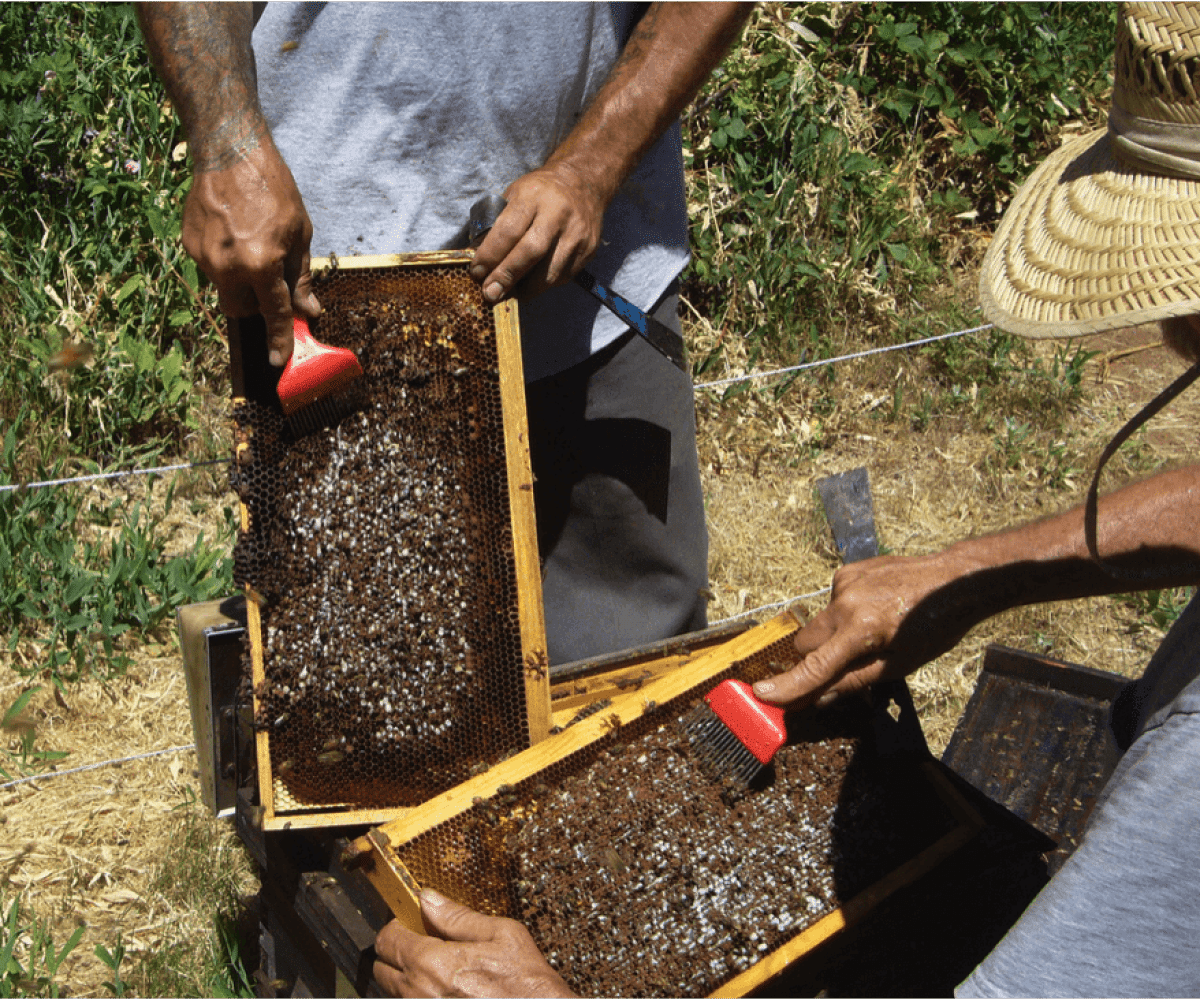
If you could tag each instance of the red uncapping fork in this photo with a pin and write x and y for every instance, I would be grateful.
(312, 386)
(733, 734)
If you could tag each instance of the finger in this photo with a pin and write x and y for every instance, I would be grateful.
(855, 681)
(536, 245)
(275, 304)
(505, 233)
(392, 980)
(453, 921)
(815, 634)
(237, 300)
(304, 301)
(818, 670)
(569, 254)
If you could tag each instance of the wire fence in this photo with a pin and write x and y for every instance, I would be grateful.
(28, 779)
(158, 470)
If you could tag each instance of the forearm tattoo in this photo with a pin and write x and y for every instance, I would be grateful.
(202, 52)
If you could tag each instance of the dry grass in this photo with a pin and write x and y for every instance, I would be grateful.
(110, 847)
(769, 540)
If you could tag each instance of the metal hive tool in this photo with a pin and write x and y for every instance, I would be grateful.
(395, 624)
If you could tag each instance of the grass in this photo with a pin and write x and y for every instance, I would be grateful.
(846, 165)
(29, 960)
(192, 877)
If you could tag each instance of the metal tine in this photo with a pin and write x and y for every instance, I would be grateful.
(718, 748)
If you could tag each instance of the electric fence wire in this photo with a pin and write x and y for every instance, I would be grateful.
(215, 461)
(93, 767)
(844, 357)
(772, 607)
(112, 475)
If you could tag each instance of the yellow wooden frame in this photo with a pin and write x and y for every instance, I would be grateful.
(375, 852)
(525, 554)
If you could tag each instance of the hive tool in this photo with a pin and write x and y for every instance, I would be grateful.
(662, 338)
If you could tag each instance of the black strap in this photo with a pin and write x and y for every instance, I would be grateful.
(1123, 435)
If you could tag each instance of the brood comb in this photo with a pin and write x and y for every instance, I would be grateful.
(396, 635)
(637, 875)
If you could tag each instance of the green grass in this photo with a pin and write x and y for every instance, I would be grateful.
(843, 154)
(89, 255)
(29, 959)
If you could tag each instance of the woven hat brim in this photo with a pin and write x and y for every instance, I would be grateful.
(1089, 245)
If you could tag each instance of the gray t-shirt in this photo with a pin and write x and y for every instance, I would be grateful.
(396, 118)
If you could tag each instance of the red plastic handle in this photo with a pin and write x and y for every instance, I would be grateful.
(758, 725)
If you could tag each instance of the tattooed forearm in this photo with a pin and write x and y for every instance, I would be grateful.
(202, 52)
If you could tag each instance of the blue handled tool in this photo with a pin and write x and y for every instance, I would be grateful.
(661, 337)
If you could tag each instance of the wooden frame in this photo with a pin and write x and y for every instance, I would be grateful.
(275, 815)
(375, 853)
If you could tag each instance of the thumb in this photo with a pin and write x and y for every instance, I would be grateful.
(453, 921)
(275, 304)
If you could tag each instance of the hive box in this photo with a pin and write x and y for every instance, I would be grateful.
(394, 613)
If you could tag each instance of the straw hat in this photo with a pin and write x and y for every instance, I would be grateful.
(1106, 233)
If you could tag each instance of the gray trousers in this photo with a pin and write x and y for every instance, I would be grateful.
(1122, 916)
(621, 528)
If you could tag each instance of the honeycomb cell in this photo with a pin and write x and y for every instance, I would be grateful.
(382, 551)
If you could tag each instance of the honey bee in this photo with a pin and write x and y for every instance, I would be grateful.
(70, 356)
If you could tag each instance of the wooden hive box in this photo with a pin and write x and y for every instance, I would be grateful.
(639, 875)
(395, 623)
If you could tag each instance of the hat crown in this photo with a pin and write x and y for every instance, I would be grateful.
(1157, 64)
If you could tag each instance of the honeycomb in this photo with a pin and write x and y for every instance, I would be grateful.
(638, 875)
(380, 550)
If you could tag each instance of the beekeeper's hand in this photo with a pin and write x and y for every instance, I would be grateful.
(246, 227)
(467, 954)
(244, 222)
(885, 618)
(555, 213)
(547, 232)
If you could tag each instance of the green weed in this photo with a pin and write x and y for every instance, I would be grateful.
(1156, 609)
(76, 597)
(22, 758)
(89, 250)
(839, 152)
(29, 961)
(113, 959)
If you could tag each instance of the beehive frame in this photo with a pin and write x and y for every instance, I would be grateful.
(380, 852)
(529, 673)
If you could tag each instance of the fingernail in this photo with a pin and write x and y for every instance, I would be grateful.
(764, 687)
(432, 898)
(478, 272)
(827, 699)
(276, 359)
(493, 291)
